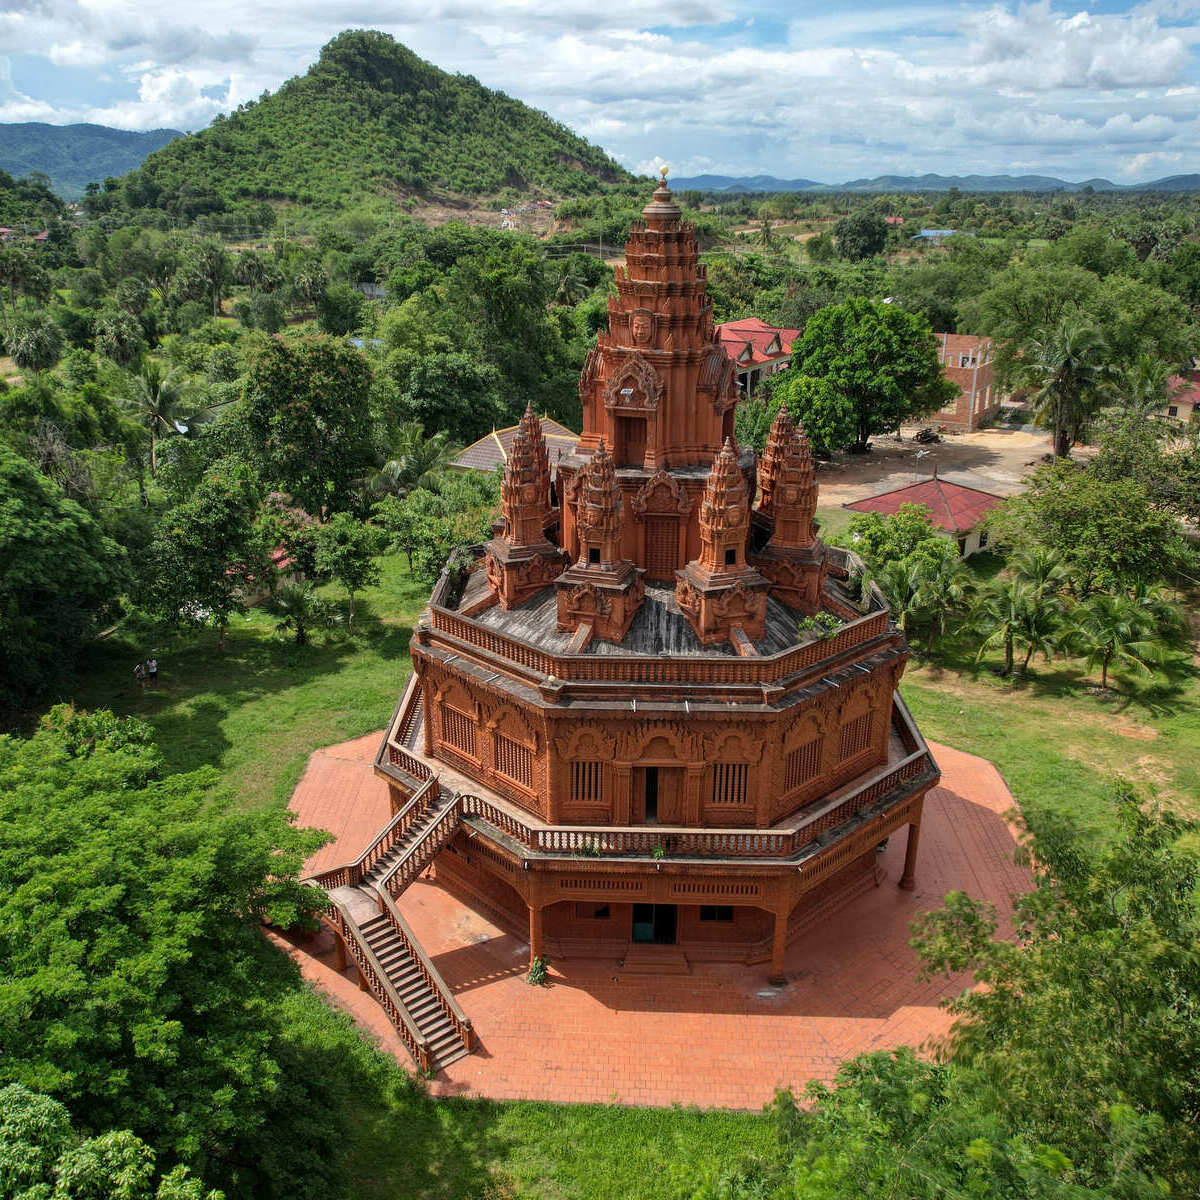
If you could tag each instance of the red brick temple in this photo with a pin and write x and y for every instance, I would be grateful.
(654, 721)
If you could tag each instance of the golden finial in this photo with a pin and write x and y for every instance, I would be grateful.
(663, 171)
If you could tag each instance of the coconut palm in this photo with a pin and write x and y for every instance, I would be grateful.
(1003, 617)
(900, 581)
(161, 400)
(1117, 630)
(1066, 371)
(1139, 393)
(415, 462)
(942, 588)
(1044, 570)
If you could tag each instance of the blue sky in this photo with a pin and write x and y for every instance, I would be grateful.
(705, 85)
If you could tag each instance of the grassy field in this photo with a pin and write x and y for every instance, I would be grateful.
(258, 711)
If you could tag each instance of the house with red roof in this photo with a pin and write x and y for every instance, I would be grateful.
(1183, 397)
(966, 360)
(956, 511)
(756, 350)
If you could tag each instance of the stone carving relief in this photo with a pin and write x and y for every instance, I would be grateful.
(661, 494)
(634, 384)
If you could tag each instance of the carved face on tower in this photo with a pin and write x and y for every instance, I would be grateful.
(641, 326)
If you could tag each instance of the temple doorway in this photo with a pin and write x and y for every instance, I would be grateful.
(630, 450)
(662, 548)
(660, 790)
(655, 923)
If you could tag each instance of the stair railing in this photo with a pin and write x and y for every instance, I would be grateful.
(372, 973)
(351, 874)
(417, 856)
(428, 972)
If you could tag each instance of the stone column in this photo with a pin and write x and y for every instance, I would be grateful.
(339, 952)
(535, 931)
(622, 799)
(779, 945)
(908, 878)
(691, 794)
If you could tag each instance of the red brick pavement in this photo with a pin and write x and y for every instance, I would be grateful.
(719, 1037)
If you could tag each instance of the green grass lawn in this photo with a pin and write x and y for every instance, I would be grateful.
(257, 712)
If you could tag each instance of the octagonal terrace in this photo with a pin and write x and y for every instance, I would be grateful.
(719, 1036)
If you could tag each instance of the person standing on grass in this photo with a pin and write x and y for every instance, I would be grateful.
(139, 673)
(152, 671)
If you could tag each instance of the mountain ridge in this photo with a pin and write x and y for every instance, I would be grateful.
(72, 156)
(931, 183)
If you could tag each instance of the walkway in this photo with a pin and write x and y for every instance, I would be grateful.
(719, 1037)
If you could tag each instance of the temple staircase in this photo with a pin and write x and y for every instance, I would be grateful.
(390, 962)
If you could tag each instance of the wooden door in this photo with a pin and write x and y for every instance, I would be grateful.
(631, 441)
(662, 548)
(670, 795)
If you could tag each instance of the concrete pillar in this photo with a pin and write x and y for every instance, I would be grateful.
(362, 979)
(535, 933)
(779, 946)
(908, 879)
(622, 799)
(691, 795)
(339, 951)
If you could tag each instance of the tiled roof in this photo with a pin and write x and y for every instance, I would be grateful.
(951, 506)
(751, 342)
(1185, 388)
(492, 450)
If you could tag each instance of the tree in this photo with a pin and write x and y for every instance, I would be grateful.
(882, 360)
(308, 420)
(416, 460)
(1087, 1016)
(300, 609)
(1066, 371)
(942, 590)
(908, 533)
(346, 552)
(1116, 630)
(340, 309)
(205, 556)
(59, 580)
(160, 400)
(41, 1155)
(119, 337)
(862, 234)
(452, 392)
(35, 342)
(207, 271)
(827, 414)
(136, 986)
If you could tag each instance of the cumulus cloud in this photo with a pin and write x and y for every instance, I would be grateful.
(704, 84)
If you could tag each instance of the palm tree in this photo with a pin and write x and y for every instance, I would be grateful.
(1044, 570)
(1140, 392)
(900, 581)
(416, 460)
(942, 589)
(1004, 618)
(1066, 371)
(301, 610)
(159, 398)
(1117, 630)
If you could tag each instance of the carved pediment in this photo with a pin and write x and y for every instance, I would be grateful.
(586, 744)
(634, 384)
(738, 602)
(662, 493)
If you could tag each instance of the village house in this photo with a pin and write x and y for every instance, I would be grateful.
(756, 350)
(1183, 397)
(967, 361)
(956, 511)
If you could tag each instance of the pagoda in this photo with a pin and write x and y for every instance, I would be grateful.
(626, 733)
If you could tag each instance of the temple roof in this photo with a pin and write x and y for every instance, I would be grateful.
(492, 450)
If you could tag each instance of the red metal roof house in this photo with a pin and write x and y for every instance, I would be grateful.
(955, 510)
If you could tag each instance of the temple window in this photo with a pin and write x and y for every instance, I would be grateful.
(802, 764)
(856, 736)
(458, 730)
(716, 912)
(731, 557)
(729, 783)
(515, 760)
(594, 556)
(587, 782)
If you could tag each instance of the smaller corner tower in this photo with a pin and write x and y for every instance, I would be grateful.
(719, 592)
(793, 558)
(522, 560)
(600, 593)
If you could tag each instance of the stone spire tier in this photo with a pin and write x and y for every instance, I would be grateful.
(601, 592)
(522, 560)
(793, 558)
(719, 592)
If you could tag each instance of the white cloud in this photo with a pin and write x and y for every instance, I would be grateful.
(699, 83)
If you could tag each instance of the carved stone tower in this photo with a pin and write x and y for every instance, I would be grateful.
(600, 593)
(522, 561)
(793, 558)
(718, 592)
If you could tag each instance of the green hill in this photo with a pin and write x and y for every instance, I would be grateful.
(370, 119)
(72, 156)
(27, 205)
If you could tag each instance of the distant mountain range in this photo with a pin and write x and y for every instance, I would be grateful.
(72, 156)
(929, 183)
